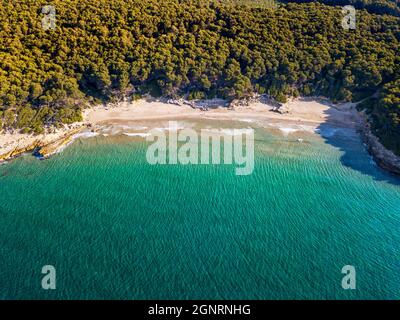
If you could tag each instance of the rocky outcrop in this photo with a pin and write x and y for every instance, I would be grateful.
(19, 151)
(49, 149)
(41, 146)
(178, 102)
(281, 109)
(245, 102)
(385, 158)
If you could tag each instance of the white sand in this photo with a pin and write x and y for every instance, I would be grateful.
(308, 112)
(302, 112)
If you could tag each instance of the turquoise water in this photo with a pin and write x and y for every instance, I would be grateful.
(115, 227)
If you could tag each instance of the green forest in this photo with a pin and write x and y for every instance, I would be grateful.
(373, 6)
(102, 50)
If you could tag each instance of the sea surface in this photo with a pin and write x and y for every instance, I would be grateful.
(115, 227)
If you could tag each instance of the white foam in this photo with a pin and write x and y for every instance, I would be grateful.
(87, 134)
(287, 130)
(229, 132)
(136, 134)
(125, 127)
(246, 120)
(170, 128)
(62, 148)
(306, 128)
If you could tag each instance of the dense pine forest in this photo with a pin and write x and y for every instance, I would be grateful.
(102, 50)
(372, 6)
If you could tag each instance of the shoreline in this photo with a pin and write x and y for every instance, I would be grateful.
(385, 158)
(13, 145)
(306, 112)
(299, 111)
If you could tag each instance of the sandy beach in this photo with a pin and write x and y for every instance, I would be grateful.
(306, 112)
(299, 111)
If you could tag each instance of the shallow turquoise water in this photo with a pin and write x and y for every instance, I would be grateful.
(115, 227)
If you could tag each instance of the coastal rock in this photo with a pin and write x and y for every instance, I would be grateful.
(19, 151)
(178, 102)
(53, 147)
(245, 102)
(44, 145)
(385, 158)
(281, 109)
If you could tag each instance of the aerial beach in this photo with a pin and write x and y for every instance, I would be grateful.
(309, 112)
(213, 150)
(314, 201)
(301, 111)
(298, 114)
